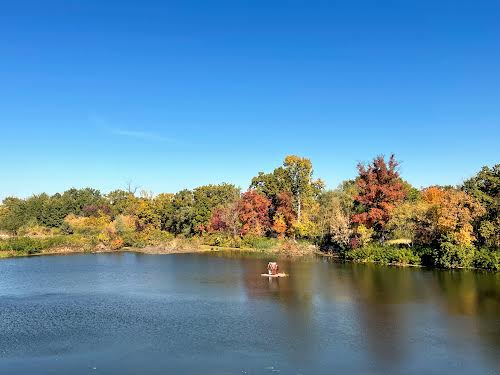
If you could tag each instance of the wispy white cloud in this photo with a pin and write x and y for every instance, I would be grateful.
(147, 136)
(126, 132)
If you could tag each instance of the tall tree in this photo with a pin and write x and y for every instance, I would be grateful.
(294, 177)
(379, 190)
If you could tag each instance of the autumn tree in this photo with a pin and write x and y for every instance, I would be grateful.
(334, 219)
(379, 190)
(450, 215)
(225, 219)
(253, 213)
(284, 216)
(147, 215)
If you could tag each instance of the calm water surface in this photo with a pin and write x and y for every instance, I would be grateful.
(214, 314)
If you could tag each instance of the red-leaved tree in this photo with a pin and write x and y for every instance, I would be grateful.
(379, 190)
(253, 213)
(225, 219)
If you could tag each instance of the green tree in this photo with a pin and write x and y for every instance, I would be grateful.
(14, 214)
(164, 208)
(121, 202)
(485, 187)
(206, 199)
(295, 177)
(181, 220)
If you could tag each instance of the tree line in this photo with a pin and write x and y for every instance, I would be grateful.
(377, 216)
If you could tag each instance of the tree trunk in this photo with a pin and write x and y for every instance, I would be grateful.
(299, 209)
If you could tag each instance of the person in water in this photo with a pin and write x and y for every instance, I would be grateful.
(272, 268)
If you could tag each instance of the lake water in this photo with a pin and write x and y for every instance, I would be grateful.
(197, 314)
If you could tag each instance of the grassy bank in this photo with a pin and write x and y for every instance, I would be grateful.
(67, 244)
(446, 256)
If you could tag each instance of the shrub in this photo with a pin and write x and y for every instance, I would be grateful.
(449, 255)
(116, 244)
(384, 255)
(33, 229)
(259, 243)
(487, 259)
(87, 225)
(29, 245)
(221, 239)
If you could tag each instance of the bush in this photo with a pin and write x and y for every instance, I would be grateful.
(116, 244)
(29, 245)
(220, 239)
(383, 254)
(259, 243)
(487, 259)
(450, 255)
(87, 225)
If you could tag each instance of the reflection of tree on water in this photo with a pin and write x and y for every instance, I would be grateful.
(392, 313)
(293, 296)
(475, 294)
(378, 294)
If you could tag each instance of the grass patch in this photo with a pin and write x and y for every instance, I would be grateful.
(383, 255)
(34, 245)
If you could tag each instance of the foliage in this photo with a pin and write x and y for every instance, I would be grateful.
(485, 188)
(487, 259)
(225, 219)
(450, 255)
(409, 220)
(29, 245)
(450, 215)
(121, 202)
(294, 177)
(253, 213)
(490, 232)
(206, 200)
(364, 234)
(284, 216)
(279, 225)
(379, 190)
(87, 225)
(259, 243)
(384, 255)
(377, 216)
(333, 219)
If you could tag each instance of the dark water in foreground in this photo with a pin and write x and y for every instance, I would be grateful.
(214, 314)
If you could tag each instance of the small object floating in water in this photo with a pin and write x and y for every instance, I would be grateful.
(275, 275)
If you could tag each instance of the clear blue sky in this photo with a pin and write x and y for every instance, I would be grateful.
(175, 94)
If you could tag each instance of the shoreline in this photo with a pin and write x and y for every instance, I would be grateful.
(156, 250)
(191, 248)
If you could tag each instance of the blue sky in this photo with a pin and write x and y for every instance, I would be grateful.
(175, 94)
